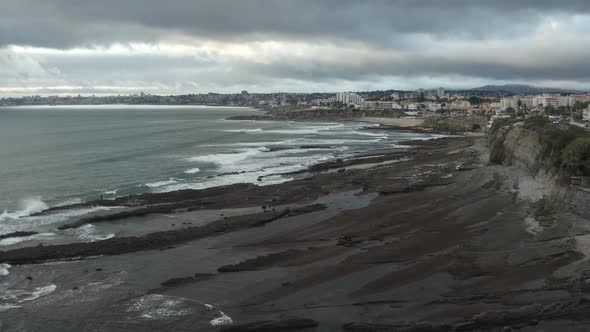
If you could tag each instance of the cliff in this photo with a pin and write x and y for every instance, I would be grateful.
(516, 145)
(541, 159)
(455, 124)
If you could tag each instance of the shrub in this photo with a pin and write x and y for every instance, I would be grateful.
(575, 153)
(536, 122)
(555, 140)
(546, 212)
(455, 123)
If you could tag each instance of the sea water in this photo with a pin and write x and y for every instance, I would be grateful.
(61, 155)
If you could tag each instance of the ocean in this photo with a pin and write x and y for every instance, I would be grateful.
(60, 155)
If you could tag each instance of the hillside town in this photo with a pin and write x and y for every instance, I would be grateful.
(569, 107)
(431, 102)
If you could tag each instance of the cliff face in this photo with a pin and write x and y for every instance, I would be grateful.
(521, 149)
(455, 124)
(518, 146)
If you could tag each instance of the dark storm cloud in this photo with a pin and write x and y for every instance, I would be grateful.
(67, 23)
(182, 46)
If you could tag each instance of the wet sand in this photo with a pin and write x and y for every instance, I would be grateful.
(434, 239)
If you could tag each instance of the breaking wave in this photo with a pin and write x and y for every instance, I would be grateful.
(27, 207)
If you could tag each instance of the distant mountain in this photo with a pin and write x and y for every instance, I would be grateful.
(522, 89)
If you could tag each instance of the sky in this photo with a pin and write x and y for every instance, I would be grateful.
(70, 47)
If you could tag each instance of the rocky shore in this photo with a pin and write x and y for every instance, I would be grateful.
(433, 239)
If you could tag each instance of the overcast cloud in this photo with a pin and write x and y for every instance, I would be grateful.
(196, 46)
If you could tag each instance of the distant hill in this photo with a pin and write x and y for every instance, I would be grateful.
(522, 89)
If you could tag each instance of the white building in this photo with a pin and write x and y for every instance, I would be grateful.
(460, 104)
(349, 98)
(546, 100)
(395, 96)
(510, 102)
(388, 105)
(582, 98)
(440, 92)
(410, 95)
(433, 107)
(412, 106)
(527, 102)
(586, 114)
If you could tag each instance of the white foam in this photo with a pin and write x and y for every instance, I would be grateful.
(14, 240)
(36, 223)
(88, 232)
(221, 320)
(71, 201)
(249, 171)
(12, 298)
(299, 141)
(110, 192)
(228, 158)
(161, 183)
(157, 307)
(364, 133)
(27, 206)
(193, 170)
(257, 130)
(307, 129)
(294, 131)
(84, 293)
(4, 269)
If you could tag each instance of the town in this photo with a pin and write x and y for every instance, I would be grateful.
(565, 108)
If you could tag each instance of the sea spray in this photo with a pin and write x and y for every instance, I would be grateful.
(26, 207)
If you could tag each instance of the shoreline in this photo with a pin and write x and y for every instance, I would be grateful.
(123, 200)
(430, 238)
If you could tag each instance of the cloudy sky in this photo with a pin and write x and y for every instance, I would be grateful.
(198, 46)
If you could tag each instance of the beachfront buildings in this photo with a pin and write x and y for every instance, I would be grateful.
(586, 114)
(349, 98)
(545, 100)
(517, 101)
(510, 102)
(433, 107)
(381, 105)
(461, 105)
(556, 100)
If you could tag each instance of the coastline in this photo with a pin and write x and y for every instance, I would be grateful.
(429, 238)
(398, 122)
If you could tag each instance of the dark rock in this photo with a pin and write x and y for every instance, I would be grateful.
(288, 324)
(17, 234)
(157, 240)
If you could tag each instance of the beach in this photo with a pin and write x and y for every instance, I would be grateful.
(433, 238)
(399, 122)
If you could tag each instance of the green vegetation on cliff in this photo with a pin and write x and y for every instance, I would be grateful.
(559, 150)
(561, 145)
